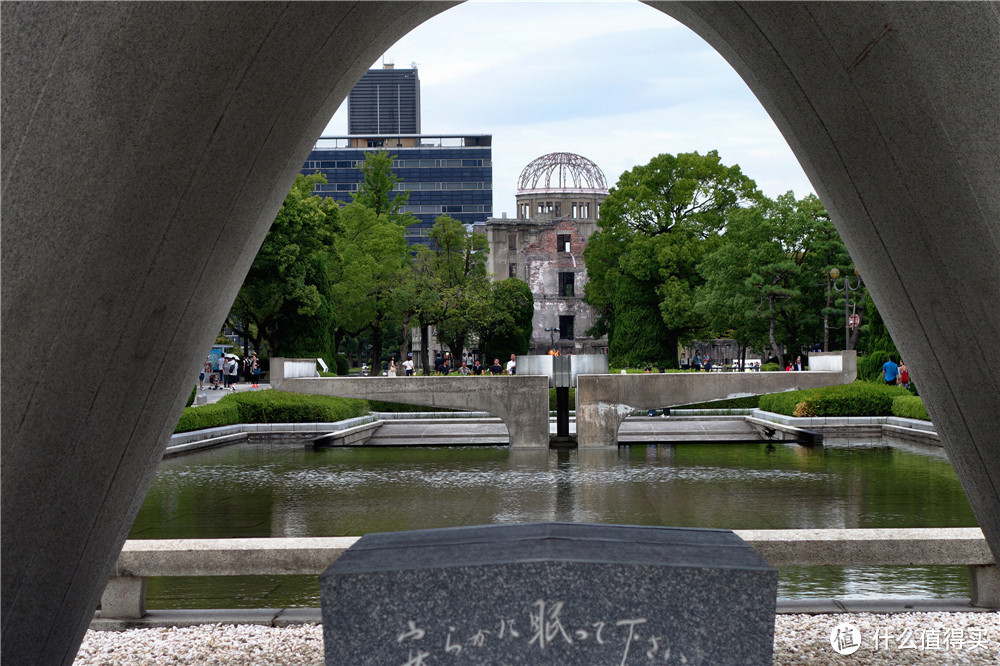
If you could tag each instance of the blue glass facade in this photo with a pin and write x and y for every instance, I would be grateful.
(445, 175)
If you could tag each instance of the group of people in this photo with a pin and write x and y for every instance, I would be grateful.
(893, 374)
(224, 372)
(443, 366)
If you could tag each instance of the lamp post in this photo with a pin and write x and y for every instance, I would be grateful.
(552, 337)
(850, 320)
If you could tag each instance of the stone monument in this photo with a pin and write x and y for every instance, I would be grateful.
(550, 593)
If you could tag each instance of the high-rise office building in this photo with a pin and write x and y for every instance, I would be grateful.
(446, 174)
(385, 101)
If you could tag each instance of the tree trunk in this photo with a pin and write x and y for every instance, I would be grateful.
(424, 341)
(770, 333)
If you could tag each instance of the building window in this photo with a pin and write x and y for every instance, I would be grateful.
(556, 209)
(566, 327)
(566, 285)
(375, 143)
(512, 270)
(512, 242)
(562, 243)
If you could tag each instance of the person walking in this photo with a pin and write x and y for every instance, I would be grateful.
(890, 371)
(392, 367)
(904, 375)
(205, 369)
(255, 370)
(408, 365)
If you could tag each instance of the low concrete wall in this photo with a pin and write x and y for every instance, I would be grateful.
(521, 401)
(124, 596)
(603, 401)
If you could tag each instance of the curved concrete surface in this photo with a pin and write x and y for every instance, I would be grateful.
(147, 146)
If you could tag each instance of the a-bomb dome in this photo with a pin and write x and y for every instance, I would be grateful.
(562, 172)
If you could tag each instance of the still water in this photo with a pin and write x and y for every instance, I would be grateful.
(286, 490)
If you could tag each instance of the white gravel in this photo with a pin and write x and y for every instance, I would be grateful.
(905, 638)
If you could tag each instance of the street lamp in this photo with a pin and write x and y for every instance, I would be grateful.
(850, 320)
(552, 337)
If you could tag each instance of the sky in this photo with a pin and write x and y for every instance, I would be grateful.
(614, 80)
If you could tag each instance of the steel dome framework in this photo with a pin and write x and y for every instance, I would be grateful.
(562, 172)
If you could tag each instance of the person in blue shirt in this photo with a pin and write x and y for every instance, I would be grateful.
(890, 371)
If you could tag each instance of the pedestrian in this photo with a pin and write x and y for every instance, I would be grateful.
(904, 375)
(696, 364)
(890, 371)
(392, 367)
(477, 368)
(206, 368)
(707, 363)
(232, 371)
(496, 368)
(438, 362)
(798, 364)
(220, 368)
(408, 365)
(465, 369)
(255, 370)
(512, 365)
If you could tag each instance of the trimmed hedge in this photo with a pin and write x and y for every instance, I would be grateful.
(208, 416)
(270, 407)
(910, 407)
(856, 399)
(770, 367)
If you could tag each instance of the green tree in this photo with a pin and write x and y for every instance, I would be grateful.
(507, 326)
(656, 226)
(371, 260)
(285, 291)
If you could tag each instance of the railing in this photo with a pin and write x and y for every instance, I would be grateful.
(125, 595)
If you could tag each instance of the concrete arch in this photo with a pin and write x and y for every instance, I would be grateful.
(147, 146)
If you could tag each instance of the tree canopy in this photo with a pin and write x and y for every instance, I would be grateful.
(656, 226)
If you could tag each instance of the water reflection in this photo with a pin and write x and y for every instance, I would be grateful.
(288, 491)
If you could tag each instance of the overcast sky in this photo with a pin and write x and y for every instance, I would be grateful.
(615, 81)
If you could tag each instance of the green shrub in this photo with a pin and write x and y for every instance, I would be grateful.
(910, 407)
(342, 364)
(870, 365)
(208, 416)
(856, 399)
(770, 367)
(281, 407)
(270, 407)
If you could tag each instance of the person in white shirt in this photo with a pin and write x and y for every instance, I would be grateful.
(512, 365)
(408, 366)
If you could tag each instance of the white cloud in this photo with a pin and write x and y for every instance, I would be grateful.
(617, 82)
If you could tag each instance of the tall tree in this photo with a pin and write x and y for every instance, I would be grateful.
(657, 224)
(507, 326)
(459, 264)
(287, 287)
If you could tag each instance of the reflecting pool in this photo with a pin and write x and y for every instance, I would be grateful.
(286, 490)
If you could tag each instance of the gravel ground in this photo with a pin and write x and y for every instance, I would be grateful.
(906, 638)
